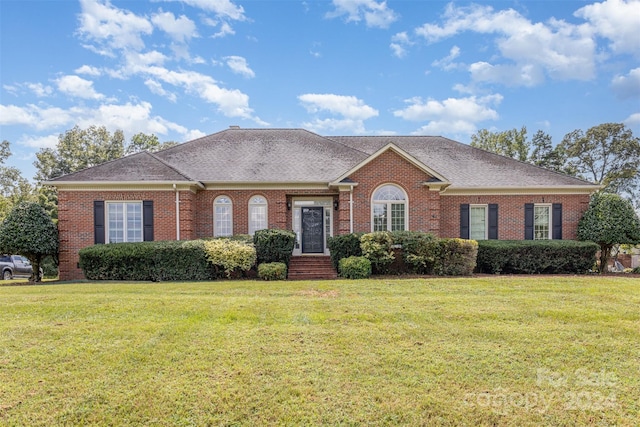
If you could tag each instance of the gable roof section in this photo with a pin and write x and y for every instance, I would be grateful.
(392, 147)
(263, 155)
(468, 167)
(139, 167)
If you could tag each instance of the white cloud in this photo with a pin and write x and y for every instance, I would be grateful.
(225, 30)
(88, 70)
(39, 118)
(222, 8)
(239, 65)
(453, 115)
(47, 141)
(347, 106)
(447, 63)
(179, 29)
(353, 111)
(375, 14)
(111, 28)
(563, 51)
(39, 89)
(157, 89)
(78, 87)
(632, 120)
(616, 20)
(399, 44)
(627, 86)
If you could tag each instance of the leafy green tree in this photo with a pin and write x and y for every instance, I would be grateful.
(545, 155)
(606, 154)
(610, 220)
(76, 149)
(29, 231)
(143, 142)
(13, 187)
(511, 143)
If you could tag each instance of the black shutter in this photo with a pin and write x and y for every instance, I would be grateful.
(493, 221)
(147, 220)
(556, 221)
(98, 221)
(528, 221)
(464, 221)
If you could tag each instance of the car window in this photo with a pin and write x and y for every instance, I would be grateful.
(5, 258)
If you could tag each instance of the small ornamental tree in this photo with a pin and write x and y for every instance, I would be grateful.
(29, 231)
(610, 220)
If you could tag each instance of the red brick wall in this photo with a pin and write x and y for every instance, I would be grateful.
(511, 213)
(391, 168)
(75, 221)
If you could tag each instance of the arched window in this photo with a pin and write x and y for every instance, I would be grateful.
(257, 214)
(222, 216)
(389, 209)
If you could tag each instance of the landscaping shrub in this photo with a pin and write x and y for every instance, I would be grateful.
(536, 256)
(636, 270)
(455, 257)
(156, 261)
(273, 245)
(377, 247)
(419, 250)
(344, 246)
(228, 255)
(355, 267)
(272, 271)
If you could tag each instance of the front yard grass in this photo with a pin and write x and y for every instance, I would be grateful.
(557, 351)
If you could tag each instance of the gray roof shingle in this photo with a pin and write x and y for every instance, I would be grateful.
(298, 156)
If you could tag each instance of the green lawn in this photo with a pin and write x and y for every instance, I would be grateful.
(484, 351)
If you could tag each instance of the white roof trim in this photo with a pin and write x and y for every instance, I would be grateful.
(534, 189)
(391, 146)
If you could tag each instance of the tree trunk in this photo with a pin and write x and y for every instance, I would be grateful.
(605, 252)
(35, 265)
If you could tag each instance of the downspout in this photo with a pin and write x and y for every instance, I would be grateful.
(351, 210)
(177, 212)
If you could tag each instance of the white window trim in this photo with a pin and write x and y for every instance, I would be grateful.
(106, 219)
(389, 203)
(486, 220)
(215, 234)
(550, 225)
(266, 212)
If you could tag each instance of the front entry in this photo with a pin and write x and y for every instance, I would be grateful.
(312, 230)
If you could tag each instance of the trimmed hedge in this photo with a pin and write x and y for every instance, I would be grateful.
(419, 250)
(355, 267)
(377, 247)
(228, 255)
(155, 261)
(273, 245)
(536, 256)
(272, 271)
(344, 246)
(455, 257)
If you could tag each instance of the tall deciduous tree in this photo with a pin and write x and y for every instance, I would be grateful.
(545, 155)
(610, 220)
(143, 142)
(13, 187)
(29, 231)
(511, 143)
(606, 154)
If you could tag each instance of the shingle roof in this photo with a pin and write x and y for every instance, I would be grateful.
(136, 167)
(298, 156)
(464, 166)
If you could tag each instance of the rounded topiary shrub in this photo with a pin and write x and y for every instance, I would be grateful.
(354, 267)
(272, 271)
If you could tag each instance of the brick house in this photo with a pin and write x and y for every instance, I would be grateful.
(241, 180)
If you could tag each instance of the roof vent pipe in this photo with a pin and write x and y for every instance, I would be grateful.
(234, 127)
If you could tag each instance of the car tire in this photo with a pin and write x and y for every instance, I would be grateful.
(6, 275)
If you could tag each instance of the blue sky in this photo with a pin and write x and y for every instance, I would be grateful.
(183, 69)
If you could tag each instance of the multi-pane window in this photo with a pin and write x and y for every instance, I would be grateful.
(124, 222)
(257, 214)
(222, 216)
(478, 222)
(389, 209)
(542, 222)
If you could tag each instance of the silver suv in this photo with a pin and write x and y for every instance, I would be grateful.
(15, 266)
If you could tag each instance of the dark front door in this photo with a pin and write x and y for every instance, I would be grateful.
(312, 230)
